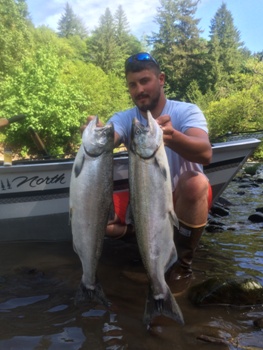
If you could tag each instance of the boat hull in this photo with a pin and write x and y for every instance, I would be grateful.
(34, 195)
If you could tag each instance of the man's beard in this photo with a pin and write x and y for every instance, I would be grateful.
(150, 106)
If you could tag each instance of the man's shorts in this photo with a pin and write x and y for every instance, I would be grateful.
(121, 201)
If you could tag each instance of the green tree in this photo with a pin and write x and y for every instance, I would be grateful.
(53, 108)
(194, 94)
(242, 110)
(122, 29)
(225, 51)
(103, 48)
(178, 46)
(71, 25)
(73, 48)
(111, 42)
(127, 42)
(57, 93)
(105, 93)
(23, 10)
(15, 34)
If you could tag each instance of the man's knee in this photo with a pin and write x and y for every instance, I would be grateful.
(193, 186)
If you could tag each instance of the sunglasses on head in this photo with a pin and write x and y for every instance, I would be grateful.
(142, 56)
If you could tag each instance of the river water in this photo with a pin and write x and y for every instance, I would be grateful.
(38, 282)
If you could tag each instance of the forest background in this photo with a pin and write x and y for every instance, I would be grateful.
(59, 78)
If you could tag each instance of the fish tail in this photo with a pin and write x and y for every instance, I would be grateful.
(91, 295)
(166, 306)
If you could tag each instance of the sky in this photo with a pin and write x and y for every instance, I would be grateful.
(247, 15)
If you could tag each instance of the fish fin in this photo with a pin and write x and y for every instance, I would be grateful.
(160, 163)
(174, 218)
(91, 295)
(167, 307)
(79, 165)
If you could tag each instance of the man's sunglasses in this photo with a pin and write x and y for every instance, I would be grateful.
(142, 56)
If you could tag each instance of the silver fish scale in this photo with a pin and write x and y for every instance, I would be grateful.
(152, 207)
(91, 198)
(151, 202)
(153, 215)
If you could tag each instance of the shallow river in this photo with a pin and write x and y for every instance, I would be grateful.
(38, 284)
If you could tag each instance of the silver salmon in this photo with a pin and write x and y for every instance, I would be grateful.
(91, 204)
(153, 214)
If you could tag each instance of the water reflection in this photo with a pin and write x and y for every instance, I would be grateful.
(38, 284)
(16, 302)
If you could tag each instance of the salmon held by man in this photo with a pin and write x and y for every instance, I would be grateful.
(187, 146)
(91, 206)
(153, 215)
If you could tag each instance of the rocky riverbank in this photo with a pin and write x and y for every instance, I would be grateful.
(249, 179)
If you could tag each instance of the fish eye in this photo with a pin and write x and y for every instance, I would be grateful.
(138, 130)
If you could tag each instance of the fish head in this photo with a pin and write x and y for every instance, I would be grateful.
(145, 140)
(98, 139)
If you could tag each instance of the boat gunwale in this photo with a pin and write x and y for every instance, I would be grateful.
(61, 162)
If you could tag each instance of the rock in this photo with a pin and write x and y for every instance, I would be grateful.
(258, 323)
(258, 217)
(223, 202)
(219, 210)
(244, 186)
(212, 228)
(259, 177)
(215, 222)
(249, 185)
(214, 225)
(246, 178)
(241, 193)
(234, 292)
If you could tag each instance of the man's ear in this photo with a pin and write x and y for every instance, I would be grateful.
(162, 78)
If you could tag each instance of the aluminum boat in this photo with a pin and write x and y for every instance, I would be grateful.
(34, 194)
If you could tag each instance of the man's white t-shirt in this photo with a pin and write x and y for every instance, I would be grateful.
(183, 116)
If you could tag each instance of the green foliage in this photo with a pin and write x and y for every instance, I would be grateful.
(241, 109)
(252, 169)
(72, 48)
(195, 95)
(56, 95)
(15, 35)
(239, 112)
(58, 79)
(258, 154)
(52, 108)
(106, 93)
(111, 43)
(225, 53)
(177, 46)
